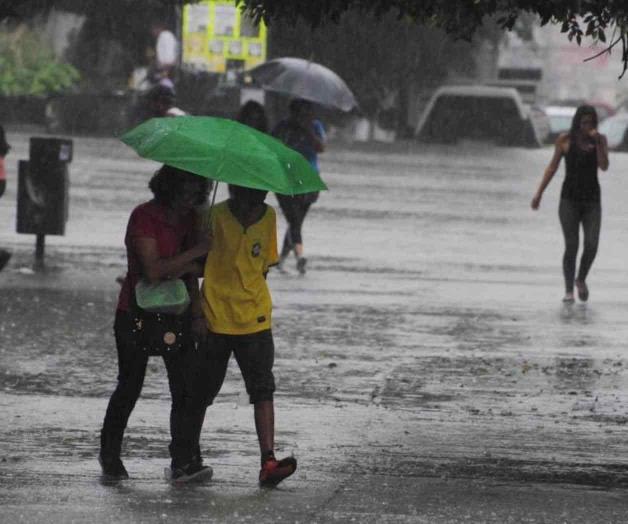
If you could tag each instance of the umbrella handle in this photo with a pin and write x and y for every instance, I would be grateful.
(211, 206)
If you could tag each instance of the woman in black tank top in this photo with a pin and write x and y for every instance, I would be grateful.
(585, 150)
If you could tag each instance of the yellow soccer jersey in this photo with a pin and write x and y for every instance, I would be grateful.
(235, 297)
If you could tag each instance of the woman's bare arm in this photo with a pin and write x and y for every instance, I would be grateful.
(550, 170)
(601, 146)
(156, 268)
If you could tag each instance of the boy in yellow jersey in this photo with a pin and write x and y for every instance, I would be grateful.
(236, 318)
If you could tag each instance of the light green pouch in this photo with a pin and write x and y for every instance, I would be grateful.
(169, 296)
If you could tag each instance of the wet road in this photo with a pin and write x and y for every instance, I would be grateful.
(427, 371)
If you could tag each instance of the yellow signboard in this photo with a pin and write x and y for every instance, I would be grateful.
(218, 37)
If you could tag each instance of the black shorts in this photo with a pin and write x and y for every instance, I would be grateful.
(255, 355)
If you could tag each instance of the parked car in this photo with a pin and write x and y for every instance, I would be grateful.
(560, 118)
(540, 121)
(616, 130)
(603, 109)
(480, 113)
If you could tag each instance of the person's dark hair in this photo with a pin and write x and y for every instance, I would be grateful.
(582, 111)
(253, 114)
(168, 181)
(246, 193)
(296, 104)
(4, 146)
(158, 21)
(162, 93)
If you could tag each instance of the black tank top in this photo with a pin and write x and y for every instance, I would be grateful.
(581, 181)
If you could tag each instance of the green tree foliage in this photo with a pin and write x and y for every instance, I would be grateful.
(601, 20)
(604, 21)
(114, 37)
(27, 8)
(382, 58)
(28, 66)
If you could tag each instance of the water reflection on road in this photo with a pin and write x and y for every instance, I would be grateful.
(427, 338)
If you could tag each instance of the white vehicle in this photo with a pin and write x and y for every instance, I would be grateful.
(616, 130)
(560, 118)
(478, 112)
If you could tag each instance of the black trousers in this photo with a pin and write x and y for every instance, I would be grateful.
(294, 209)
(205, 371)
(572, 213)
(132, 363)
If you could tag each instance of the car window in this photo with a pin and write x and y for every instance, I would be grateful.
(559, 123)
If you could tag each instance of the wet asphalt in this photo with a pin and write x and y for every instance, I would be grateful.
(427, 370)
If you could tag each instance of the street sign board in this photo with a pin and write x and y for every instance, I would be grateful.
(218, 37)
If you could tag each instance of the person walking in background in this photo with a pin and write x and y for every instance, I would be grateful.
(162, 100)
(166, 51)
(252, 114)
(237, 311)
(305, 134)
(5, 255)
(161, 244)
(585, 150)
(158, 102)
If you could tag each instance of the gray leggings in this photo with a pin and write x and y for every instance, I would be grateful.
(572, 213)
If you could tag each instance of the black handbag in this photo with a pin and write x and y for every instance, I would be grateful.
(159, 334)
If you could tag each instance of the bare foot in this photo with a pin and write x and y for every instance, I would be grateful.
(583, 290)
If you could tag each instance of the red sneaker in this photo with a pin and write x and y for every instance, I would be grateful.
(274, 471)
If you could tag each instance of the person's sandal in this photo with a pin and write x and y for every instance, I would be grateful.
(301, 262)
(583, 291)
(274, 471)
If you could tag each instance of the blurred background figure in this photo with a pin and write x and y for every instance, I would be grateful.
(304, 133)
(166, 51)
(161, 101)
(253, 114)
(4, 149)
(158, 102)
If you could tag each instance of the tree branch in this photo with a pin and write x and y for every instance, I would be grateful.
(605, 50)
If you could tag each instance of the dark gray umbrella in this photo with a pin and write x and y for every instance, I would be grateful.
(300, 78)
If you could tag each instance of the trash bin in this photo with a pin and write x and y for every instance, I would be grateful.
(43, 187)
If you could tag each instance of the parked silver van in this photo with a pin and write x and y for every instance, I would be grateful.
(479, 112)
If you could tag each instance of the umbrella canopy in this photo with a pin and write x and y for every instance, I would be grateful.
(226, 151)
(304, 79)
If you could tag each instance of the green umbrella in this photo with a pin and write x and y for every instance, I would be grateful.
(225, 150)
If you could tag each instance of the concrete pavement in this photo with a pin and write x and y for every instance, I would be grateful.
(427, 371)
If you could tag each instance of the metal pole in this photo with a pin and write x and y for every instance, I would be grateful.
(39, 250)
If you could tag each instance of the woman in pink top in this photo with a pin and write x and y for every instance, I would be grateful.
(161, 244)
